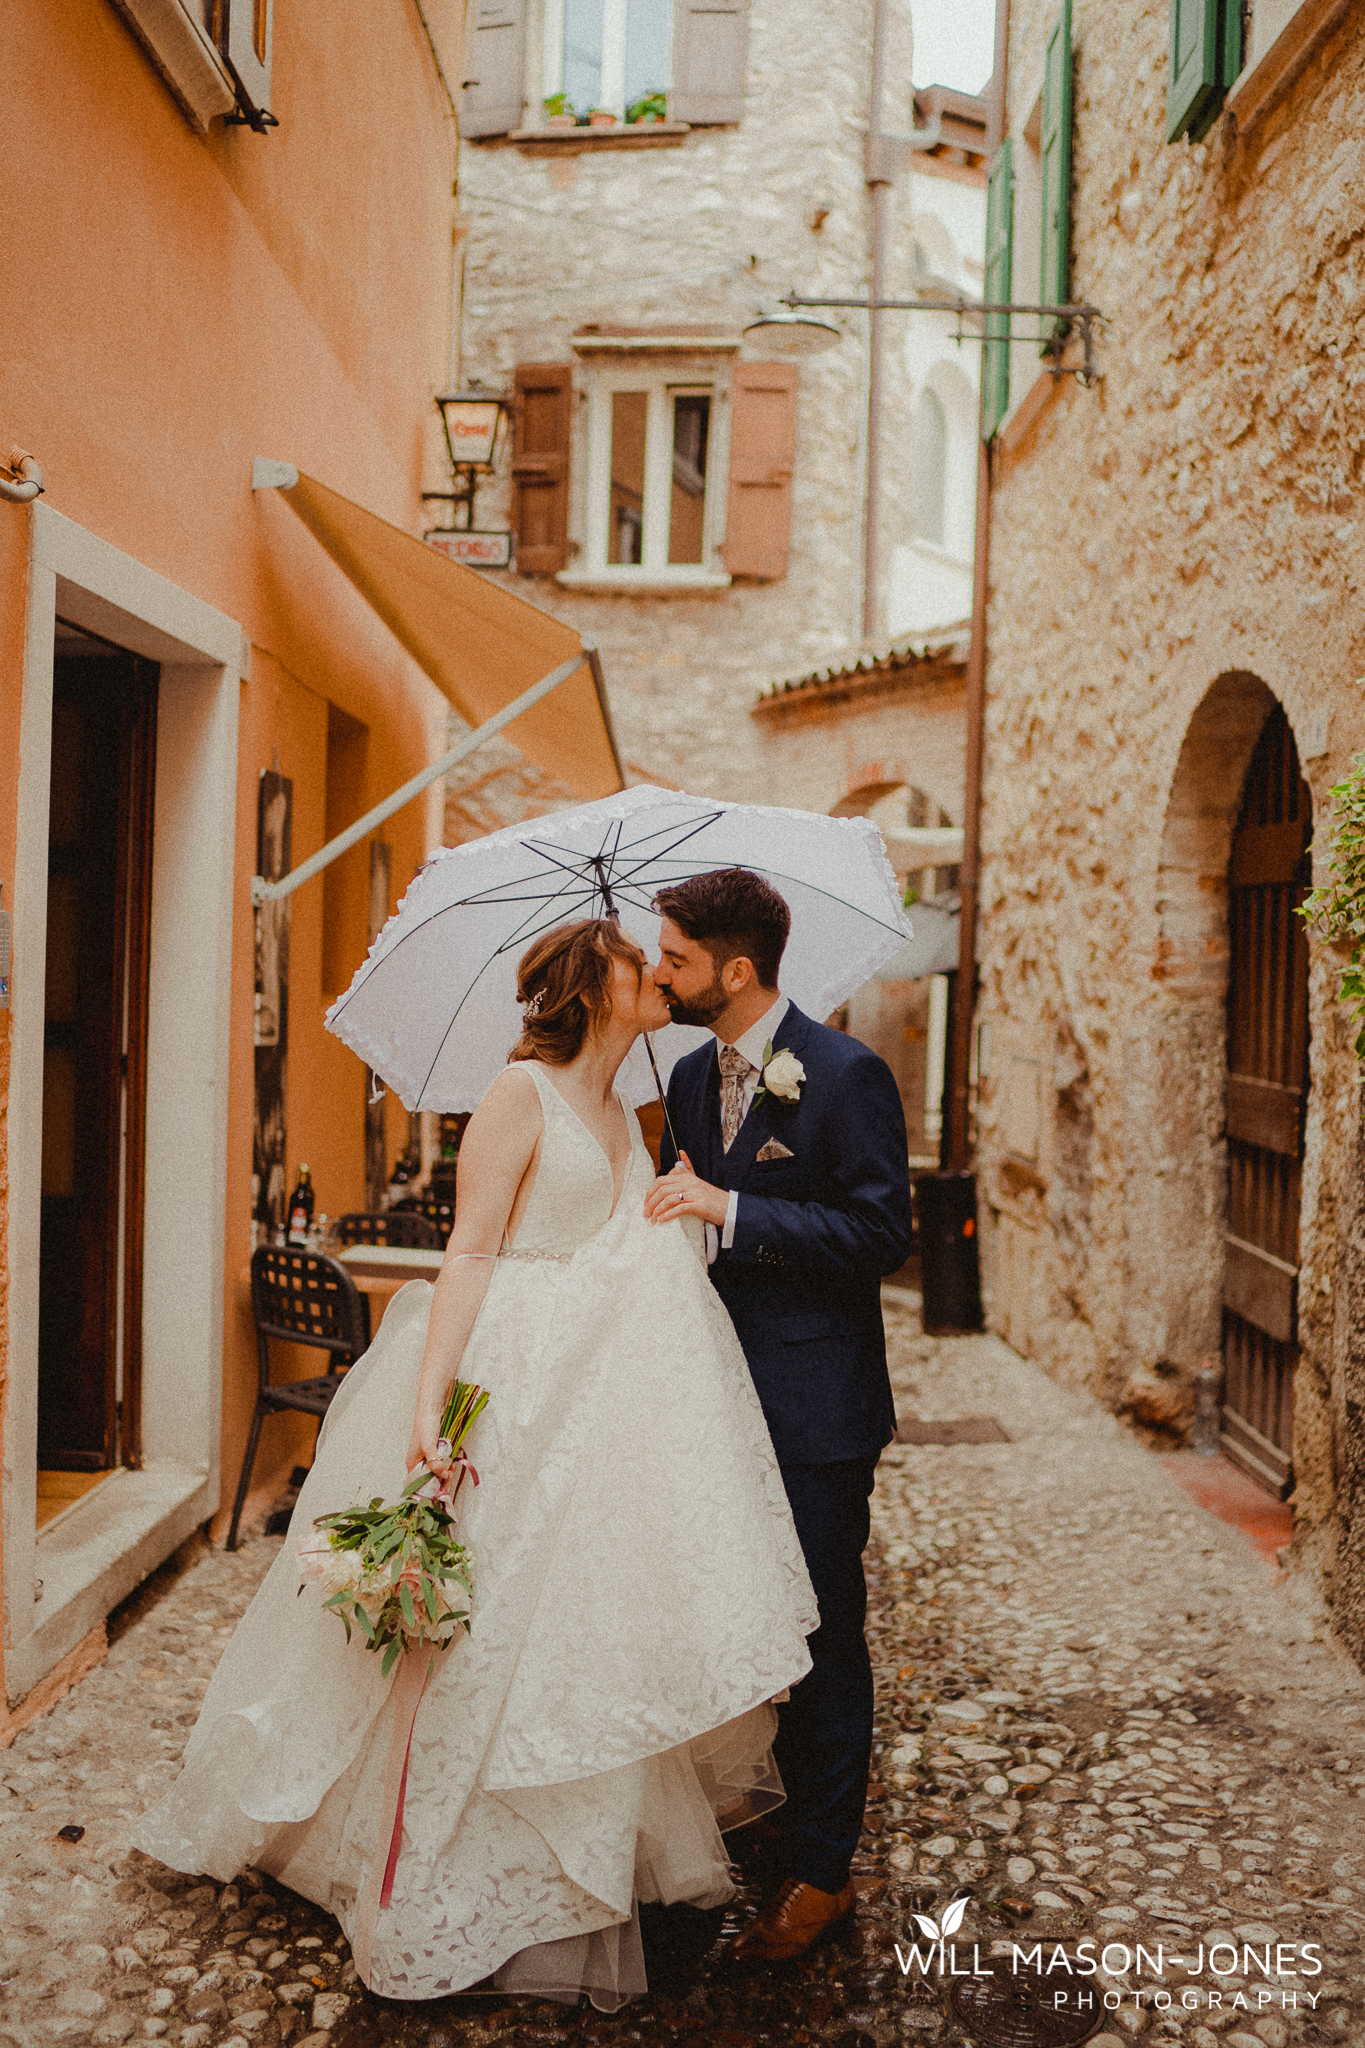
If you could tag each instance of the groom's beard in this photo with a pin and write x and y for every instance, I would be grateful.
(703, 1009)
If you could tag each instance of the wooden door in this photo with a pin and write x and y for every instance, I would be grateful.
(1269, 875)
(94, 1061)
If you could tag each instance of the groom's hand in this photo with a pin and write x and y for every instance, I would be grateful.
(682, 1193)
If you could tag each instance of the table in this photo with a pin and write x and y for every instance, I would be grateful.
(389, 1262)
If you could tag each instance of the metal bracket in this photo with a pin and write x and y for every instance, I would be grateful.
(1081, 320)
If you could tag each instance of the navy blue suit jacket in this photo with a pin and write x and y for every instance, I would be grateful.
(814, 1237)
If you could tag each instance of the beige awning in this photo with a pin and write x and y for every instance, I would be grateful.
(481, 645)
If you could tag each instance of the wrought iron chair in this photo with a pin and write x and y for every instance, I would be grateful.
(299, 1297)
(402, 1227)
(442, 1214)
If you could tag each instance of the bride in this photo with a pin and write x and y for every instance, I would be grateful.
(639, 1594)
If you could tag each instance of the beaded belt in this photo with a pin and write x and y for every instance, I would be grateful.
(560, 1258)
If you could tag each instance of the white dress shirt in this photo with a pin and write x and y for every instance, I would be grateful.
(752, 1044)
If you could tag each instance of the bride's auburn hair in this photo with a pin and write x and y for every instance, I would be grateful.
(564, 980)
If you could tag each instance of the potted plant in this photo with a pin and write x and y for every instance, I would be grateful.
(651, 106)
(601, 117)
(560, 111)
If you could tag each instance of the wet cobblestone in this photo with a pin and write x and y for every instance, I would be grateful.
(1100, 1715)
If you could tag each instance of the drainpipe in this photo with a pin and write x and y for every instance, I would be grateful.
(886, 152)
(958, 1147)
(26, 480)
(957, 1151)
(879, 171)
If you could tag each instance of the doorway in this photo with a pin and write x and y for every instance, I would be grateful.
(94, 1066)
(1269, 875)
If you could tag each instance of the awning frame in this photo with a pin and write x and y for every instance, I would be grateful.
(274, 892)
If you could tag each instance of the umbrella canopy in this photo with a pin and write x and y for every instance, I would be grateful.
(433, 1010)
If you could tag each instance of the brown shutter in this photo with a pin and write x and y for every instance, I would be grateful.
(543, 417)
(762, 455)
(495, 47)
(710, 48)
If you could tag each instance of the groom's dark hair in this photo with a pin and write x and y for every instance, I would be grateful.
(734, 914)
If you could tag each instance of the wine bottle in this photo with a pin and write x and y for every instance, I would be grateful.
(301, 1208)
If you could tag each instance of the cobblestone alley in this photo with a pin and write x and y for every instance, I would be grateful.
(1102, 1715)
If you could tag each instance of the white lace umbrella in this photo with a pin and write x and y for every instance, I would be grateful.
(433, 1010)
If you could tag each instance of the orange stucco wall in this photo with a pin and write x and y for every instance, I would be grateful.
(175, 306)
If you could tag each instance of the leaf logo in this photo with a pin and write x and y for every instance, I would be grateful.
(952, 1919)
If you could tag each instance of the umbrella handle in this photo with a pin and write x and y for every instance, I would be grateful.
(654, 1068)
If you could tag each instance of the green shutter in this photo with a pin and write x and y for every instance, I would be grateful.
(995, 355)
(1194, 74)
(1054, 287)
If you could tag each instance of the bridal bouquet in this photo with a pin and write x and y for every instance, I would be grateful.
(394, 1569)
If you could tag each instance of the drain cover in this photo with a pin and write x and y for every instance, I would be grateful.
(1023, 2009)
(959, 1429)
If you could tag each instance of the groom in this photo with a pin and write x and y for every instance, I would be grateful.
(794, 1155)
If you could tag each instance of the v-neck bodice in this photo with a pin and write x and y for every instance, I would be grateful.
(574, 1195)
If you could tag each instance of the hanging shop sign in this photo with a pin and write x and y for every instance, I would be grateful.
(477, 550)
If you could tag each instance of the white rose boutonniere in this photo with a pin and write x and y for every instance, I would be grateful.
(781, 1076)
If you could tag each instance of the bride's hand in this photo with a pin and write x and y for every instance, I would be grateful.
(426, 1435)
(683, 1193)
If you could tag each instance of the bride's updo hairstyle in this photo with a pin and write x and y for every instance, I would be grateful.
(564, 981)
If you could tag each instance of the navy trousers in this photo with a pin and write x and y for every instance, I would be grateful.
(824, 1732)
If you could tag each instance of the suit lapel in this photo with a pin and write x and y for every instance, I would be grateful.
(764, 1117)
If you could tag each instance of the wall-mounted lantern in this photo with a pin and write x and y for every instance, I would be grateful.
(472, 422)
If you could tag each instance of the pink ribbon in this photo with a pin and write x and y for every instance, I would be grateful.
(414, 1668)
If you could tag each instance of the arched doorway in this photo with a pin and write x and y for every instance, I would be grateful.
(1269, 874)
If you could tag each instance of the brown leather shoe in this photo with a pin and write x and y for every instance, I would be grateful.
(792, 1921)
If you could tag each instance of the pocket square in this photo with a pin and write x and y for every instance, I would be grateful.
(775, 1149)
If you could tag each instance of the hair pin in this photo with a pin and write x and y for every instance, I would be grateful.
(535, 1003)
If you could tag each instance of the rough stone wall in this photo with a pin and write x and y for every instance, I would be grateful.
(1192, 526)
(711, 231)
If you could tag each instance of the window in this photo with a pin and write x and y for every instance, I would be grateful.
(931, 467)
(611, 53)
(995, 355)
(650, 496)
(1205, 58)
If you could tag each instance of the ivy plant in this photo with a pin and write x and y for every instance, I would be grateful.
(1336, 912)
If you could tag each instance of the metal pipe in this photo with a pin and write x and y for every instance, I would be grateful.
(272, 892)
(958, 1145)
(30, 478)
(878, 167)
(958, 1133)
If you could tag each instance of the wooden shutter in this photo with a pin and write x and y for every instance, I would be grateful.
(762, 457)
(710, 49)
(543, 421)
(995, 355)
(1055, 281)
(1193, 79)
(248, 47)
(491, 98)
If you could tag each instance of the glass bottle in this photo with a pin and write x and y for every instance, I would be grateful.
(301, 1208)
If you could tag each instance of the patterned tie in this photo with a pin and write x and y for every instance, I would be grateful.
(734, 1071)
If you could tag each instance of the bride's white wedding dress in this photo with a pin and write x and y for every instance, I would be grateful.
(639, 1598)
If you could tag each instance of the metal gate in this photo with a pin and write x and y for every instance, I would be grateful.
(1267, 1041)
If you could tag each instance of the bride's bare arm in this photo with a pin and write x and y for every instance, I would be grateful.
(498, 1148)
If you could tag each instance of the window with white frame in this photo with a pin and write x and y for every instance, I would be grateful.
(608, 54)
(650, 513)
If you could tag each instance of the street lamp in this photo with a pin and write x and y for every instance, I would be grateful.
(792, 336)
(472, 422)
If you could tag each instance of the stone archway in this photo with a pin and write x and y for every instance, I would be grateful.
(1178, 1157)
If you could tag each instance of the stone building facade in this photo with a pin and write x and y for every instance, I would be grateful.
(609, 275)
(1173, 643)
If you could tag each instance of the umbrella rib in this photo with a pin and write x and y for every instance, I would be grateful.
(495, 956)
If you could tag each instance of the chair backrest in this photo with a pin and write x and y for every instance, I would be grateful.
(304, 1297)
(442, 1214)
(405, 1228)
